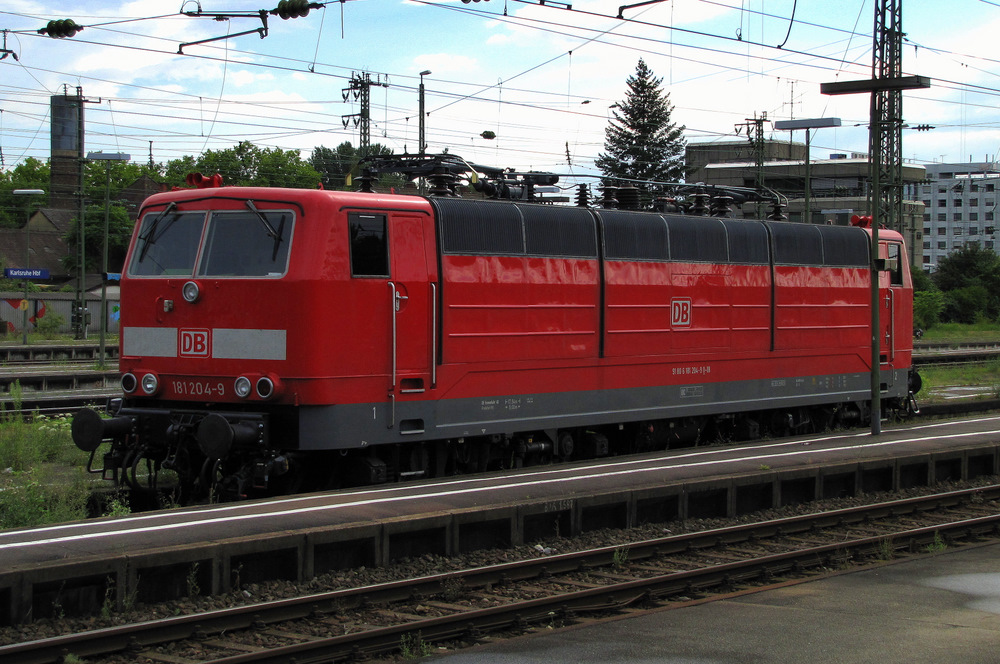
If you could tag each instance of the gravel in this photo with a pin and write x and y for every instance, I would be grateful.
(432, 564)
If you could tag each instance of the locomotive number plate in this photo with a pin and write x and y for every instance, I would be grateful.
(198, 388)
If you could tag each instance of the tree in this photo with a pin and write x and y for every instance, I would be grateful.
(928, 301)
(969, 277)
(335, 165)
(642, 142)
(106, 179)
(120, 227)
(29, 174)
(247, 165)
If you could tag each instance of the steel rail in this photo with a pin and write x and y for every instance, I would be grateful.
(133, 638)
(385, 640)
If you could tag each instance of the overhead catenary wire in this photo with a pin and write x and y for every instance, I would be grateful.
(293, 65)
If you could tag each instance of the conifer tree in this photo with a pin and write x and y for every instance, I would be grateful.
(641, 141)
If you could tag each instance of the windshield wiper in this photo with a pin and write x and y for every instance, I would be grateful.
(269, 229)
(150, 236)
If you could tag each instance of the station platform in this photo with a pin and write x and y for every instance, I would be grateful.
(934, 608)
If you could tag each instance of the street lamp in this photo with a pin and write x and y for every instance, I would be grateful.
(421, 143)
(107, 158)
(27, 259)
(811, 123)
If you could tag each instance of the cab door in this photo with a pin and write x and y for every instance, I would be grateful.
(392, 261)
(891, 303)
(410, 293)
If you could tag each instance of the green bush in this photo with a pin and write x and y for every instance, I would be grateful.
(24, 445)
(967, 304)
(50, 324)
(41, 475)
(41, 496)
(927, 308)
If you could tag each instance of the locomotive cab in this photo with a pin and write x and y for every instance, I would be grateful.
(199, 385)
(246, 312)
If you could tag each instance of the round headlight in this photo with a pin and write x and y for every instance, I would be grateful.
(190, 291)
(150, 383)
(242, 387)
(129, 383)
(265, 387)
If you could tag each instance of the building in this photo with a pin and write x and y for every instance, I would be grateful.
(838, 190)
(960, 207)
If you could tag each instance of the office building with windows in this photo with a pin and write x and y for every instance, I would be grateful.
(960, 207)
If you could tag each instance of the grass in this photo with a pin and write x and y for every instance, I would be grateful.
(413, 646)
(620, 557)
(937, 545)
(961, 333)
(42, 478)
(986, 373)
(935, 378)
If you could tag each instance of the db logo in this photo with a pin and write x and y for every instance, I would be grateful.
(194, 343)
(680, 313)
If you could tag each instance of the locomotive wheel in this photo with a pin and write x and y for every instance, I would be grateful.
(565, 445)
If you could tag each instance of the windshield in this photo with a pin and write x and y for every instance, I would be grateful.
(238, 245)
(167, 244)
(244, 243)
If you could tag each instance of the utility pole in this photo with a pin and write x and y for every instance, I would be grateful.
(755, 134)
(807, 124)
(421, 138)
(885, 154)
(360, 88)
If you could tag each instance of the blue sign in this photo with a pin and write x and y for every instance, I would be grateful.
(114, 276)
(25, 273)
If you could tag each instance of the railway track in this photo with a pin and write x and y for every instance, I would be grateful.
(461, 607)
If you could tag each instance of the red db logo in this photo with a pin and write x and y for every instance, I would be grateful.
(680, 313)
(194, 343)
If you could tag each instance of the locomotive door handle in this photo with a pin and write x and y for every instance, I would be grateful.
(394, 305)
(398, 298)
(892, 325)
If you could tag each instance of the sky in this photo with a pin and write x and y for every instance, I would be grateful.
(543, 76)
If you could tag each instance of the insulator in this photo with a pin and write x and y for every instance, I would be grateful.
(292, 9)
(365, 182)
(486, 188)
(66, 27)
(442, 182)
(610, 200)
(700, 206)
(628, 198)
(721, 206)
(582, 195)
(776, 213)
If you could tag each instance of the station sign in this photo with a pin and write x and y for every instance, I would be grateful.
(25, 273)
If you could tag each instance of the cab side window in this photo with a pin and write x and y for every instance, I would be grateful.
(369, 245)
(895, 255)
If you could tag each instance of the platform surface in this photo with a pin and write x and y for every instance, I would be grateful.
(942, 608)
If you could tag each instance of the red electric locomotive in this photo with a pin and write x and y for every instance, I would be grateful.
(282, 339)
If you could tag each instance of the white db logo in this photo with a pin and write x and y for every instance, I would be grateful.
(194, 343)
(680, 312)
